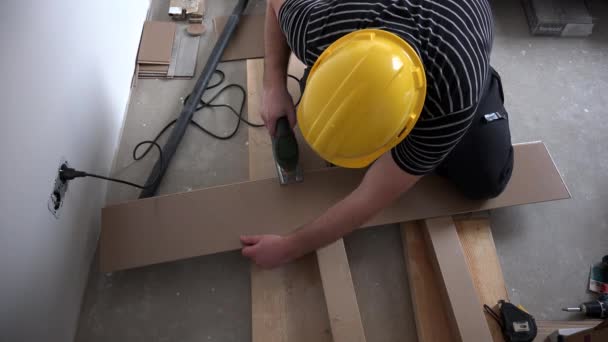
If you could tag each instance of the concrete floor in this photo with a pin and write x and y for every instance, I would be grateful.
(555, 91)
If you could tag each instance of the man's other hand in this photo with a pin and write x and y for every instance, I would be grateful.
(267, 251)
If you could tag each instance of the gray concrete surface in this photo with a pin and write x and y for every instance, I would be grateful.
(555, 91)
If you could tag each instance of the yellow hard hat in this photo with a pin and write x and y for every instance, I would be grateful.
(363, 96)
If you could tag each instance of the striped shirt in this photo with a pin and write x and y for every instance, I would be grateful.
(452, 37)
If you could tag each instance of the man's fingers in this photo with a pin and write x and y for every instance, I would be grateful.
(249, 251)
(271, 126)
(251, 239)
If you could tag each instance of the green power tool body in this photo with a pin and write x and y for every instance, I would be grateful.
(286, 153)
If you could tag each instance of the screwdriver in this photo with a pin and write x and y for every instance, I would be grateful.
(595, 309)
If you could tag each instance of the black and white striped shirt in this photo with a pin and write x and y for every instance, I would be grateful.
(452, 37)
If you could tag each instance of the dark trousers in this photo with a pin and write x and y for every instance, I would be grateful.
(482, 162)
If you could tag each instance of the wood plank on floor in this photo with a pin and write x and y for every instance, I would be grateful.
(340, 297)
(480, 252)
(482, 260)
(428, 307)
(465, 312)
(287, 303)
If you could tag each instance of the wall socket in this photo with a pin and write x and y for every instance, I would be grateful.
(57, 196)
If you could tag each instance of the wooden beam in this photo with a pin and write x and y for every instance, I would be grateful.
(269, 320)
(287, 303)
(210, 220)
(431, 317)
(342, 306)
(464, 309)
(484, 267)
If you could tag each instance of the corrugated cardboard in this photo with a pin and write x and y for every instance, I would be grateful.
(178, 226)
(248, 39)
(156, 42)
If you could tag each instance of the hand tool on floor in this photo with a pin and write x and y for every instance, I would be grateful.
(596, 309)
(286, 154)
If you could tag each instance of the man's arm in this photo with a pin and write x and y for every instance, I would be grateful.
(275, 47)
(277, 101)
(383, 183)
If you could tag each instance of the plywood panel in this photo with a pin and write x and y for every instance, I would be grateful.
(173, 227)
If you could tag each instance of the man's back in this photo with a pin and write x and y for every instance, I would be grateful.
(453, 39)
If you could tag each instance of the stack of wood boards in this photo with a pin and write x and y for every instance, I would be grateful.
(197, 16)
(193, 10)
(166, 51)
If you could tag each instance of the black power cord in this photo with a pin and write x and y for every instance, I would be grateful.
(66, 173)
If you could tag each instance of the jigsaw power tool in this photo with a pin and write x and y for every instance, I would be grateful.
(286, 153)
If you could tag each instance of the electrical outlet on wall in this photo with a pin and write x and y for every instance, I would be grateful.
(57, 196)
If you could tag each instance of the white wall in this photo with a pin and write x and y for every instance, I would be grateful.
(65, 73)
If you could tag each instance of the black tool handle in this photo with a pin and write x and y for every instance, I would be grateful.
(285, 145)
(283, 128)
(597, 309)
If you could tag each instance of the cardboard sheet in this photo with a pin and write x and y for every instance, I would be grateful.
(184, 225)
(248, 39)
(184, 55)
(156, 42)
(154, 68)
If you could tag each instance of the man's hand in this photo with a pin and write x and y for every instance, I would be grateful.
(277, 103)
(267, 251)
